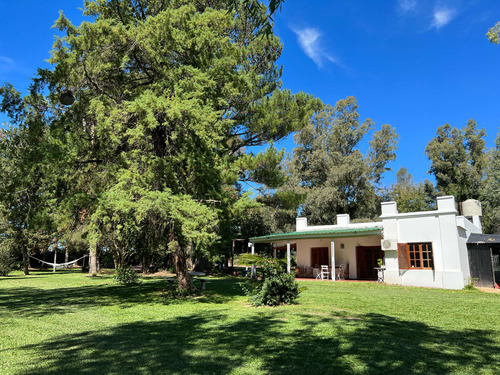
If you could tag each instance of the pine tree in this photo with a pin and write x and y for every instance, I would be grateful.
(168, 95)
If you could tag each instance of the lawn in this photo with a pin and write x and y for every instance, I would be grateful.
(68, 323)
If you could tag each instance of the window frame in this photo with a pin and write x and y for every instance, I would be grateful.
(418, 253)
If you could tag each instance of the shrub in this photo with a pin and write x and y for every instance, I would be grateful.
(126, 275)
(471, 284)
(6, 259)
(277, 287)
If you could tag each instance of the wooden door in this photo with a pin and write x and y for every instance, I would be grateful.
(366, 261)
(319, 256)
(481, 265)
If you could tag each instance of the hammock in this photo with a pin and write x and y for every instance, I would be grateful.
(60, 265)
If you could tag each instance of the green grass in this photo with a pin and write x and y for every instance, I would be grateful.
(68, 323)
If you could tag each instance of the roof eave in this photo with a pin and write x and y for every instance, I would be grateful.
(312, 235)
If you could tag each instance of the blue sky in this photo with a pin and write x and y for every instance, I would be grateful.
(414, 64)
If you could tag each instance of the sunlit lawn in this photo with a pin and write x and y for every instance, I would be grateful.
(70, 323)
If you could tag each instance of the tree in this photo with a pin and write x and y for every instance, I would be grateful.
(333, 174)
(491, 193)
(458, 160)
(24, 177)
(254, 9)
(494, 33)
(167, 97)
(410, 196)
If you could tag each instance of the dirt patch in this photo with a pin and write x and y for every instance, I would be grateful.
(158, 274)
(489, 290)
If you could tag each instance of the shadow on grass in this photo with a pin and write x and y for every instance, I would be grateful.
(13, 277)
(213, 344)
(30, 301)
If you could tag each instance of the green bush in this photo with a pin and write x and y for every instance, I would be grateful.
(277, 287)
(126, 275)
(471, 284)
(6, 259)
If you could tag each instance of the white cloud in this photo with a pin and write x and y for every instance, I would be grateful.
(442, 16)
(407, 6)
(309, 41)
(6, 60)
(7, 65)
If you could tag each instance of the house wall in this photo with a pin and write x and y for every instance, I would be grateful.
(347, 255)
(440, 227)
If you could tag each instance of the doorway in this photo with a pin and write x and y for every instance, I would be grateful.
(319, 256)
(366, 261)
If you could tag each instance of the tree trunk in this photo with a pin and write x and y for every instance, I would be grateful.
(26, 262)
(66, 255)
(55, 254)
(232, 257)
(183, 278)
(93, 261)
(189, 255)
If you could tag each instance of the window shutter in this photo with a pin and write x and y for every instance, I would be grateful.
(404, 261)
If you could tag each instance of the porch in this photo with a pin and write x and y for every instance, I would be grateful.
(350, 251)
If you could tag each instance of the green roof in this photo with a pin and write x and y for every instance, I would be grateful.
(332, 233)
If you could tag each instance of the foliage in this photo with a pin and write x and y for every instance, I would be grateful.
(410, 196)
(471, 284)
(329, 169)
(490, 195)
(6, 258)
(254, 9)
(147, 161)
(458, 160)
(25, 180)
(494, 33)
(274, 209)
(277, 287)
(383, 146)
(126, 275)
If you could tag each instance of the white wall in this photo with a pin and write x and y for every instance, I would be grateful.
(451, 269)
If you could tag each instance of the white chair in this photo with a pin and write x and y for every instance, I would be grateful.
(324, 272)
(341, 272)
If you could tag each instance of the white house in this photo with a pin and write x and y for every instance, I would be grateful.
(425, 248)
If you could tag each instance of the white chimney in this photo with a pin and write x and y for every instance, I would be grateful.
(300, 223)
(343, 220)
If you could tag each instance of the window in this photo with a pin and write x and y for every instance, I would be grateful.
(415, 256)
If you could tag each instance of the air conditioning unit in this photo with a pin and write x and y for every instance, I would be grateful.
(389, 244)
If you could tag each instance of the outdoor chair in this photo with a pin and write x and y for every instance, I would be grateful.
(341, 272)
(324, 272)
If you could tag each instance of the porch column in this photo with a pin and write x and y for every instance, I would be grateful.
(288, 257)
(253, 272)
(274, 251)
(332, 247)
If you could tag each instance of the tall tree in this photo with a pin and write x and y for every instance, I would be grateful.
(24, 177)
(409, 195)
(167, 97)
(491, 193)
(334, 175)
(458, 160)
